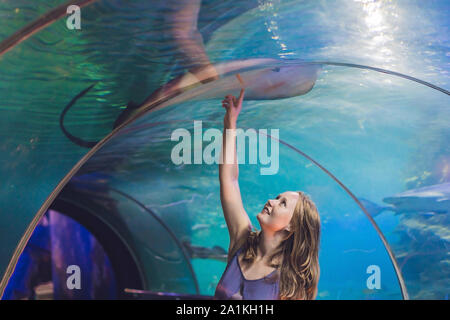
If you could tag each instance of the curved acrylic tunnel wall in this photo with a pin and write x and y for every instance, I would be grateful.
(186, 197)
(162, 261)
(377, 133)
(34, 77)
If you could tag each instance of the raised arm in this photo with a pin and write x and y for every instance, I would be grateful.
(237, 220)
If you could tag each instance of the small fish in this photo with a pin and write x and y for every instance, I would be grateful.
(200, 226)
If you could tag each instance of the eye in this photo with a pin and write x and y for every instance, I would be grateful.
(277, 69)
(284, 203)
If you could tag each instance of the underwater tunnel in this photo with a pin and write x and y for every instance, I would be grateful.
(368, 141)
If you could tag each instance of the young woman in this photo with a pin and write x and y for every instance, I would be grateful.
(281, 260)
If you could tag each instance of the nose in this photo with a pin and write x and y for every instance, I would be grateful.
(271, 202)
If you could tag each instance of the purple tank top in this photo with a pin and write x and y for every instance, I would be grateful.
(233, 285)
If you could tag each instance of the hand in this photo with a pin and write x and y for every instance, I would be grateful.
(233, 106)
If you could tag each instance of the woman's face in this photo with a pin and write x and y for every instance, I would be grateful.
(277, 213)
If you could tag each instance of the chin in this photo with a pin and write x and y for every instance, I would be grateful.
(259, 217)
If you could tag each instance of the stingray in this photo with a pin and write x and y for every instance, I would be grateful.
(263, 79)
(200, 252)
(262, 84)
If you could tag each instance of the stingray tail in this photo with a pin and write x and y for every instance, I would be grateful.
(131, 107)
(126, 113)
(76, 140)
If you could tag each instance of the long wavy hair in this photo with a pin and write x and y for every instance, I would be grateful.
(299, 269)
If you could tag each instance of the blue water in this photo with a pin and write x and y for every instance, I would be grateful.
(377, 133)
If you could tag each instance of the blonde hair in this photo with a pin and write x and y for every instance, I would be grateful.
(299, 269)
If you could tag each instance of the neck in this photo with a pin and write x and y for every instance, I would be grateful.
(269, 241)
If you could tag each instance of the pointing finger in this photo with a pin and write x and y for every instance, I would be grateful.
(241, 95)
